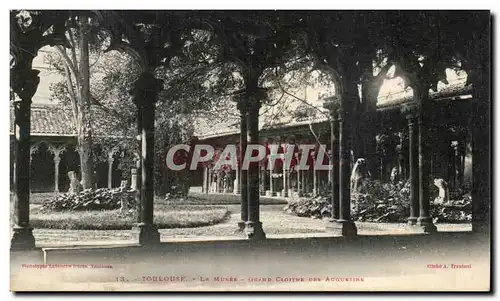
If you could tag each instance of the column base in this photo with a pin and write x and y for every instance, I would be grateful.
(241, 227)
(22, 239)
(254, 231)
(412, 221)
(481, 227)
(342, 227)
(422, 226)
(147, 234)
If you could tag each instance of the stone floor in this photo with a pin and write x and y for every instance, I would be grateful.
(276, 223)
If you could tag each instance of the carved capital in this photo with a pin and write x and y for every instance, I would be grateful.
(410, 110)
(112, 153)
(56, 151)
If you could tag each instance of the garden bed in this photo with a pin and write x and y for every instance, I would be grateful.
(165, 217)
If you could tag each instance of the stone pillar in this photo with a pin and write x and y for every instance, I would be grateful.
(304, 183)
(411, 115)
(333, 173)
(344, 225)
(56, 151)
(315, 182)
(254, 228)
(271, 180)
(243, 108)
(24, 82)
(236, 189)
(133, 179)
(111, 160)
(299, 182)
(424, 220)
(206, 171)
(285, 182)
(145, 93)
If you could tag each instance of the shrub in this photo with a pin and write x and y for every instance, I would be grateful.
(382, 202)
(90, 199)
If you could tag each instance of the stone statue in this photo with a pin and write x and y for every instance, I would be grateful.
(444, 193)
(395, 175)
(359, 174)
(123, 196)
(74, 185)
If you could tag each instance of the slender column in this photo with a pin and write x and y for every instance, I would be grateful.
(243, 108)
(24, 83)
(206, 171)
(145, 93)
(285, 182)
(410, 112)
(315, 182)
(253, 225)
(424, 220)
(133, 179)
(56, 151)
(271, 180)
(299, 182)
(342, 225)
(304, 182)
(110, 171)
(262, 180)
(236, 189)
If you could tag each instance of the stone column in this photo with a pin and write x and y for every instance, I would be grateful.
(254, 228)
(424, 220)
(344, 225)
(299, 182)
(285, 182)
(271, 180)
(333, 105)
(145, 93)
(56, 151)
(411, 114)
(315, 181)
(24, 82)
(304, 183)
(236, 189)
(206, 171)
(111, 160)
(133, 179)
(243, 108)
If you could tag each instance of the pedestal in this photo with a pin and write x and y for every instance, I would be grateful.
(342, 228)
(254, 231)
(22, 239)
(147, 234)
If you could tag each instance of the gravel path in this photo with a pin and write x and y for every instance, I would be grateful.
(274, 219)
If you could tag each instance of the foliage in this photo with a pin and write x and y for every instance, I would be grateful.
(165, 217)
(382, 202)
(90, 199)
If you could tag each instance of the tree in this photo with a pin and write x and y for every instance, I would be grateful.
(74, 65)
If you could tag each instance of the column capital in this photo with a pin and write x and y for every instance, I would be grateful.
(112, 152)
(56, 150)
(334, 106)
(410, 110)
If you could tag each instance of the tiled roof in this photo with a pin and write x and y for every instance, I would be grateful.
(48, 120)
(211, 129)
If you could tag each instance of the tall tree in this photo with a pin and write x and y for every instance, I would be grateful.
(74, 65)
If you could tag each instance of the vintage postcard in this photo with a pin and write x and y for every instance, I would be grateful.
(250, 150)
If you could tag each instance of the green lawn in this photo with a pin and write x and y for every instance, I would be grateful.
(165, 217)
